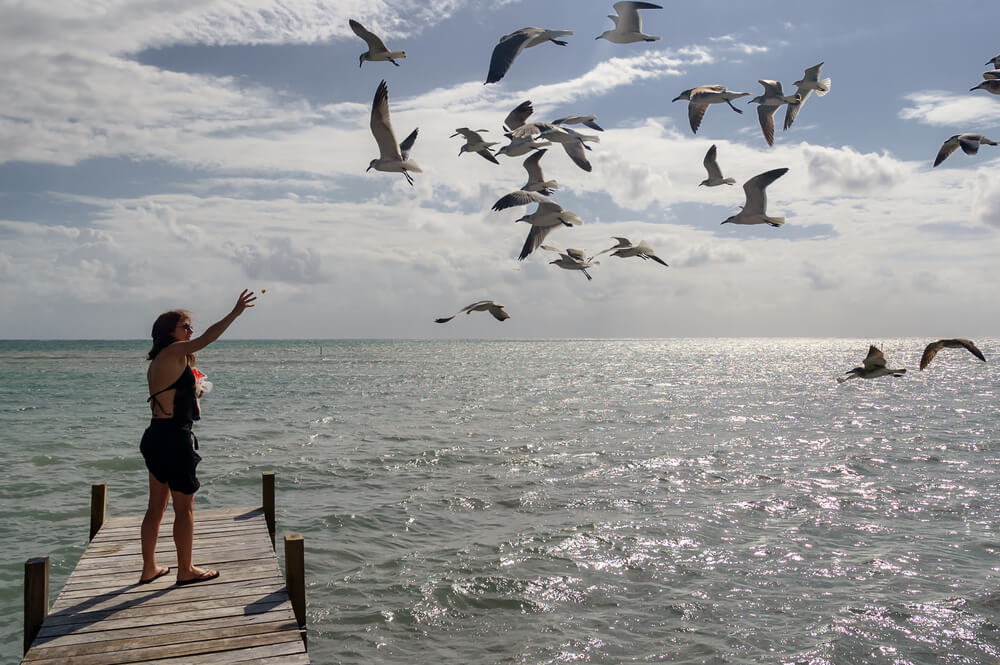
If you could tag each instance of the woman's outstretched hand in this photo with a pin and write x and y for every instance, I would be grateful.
(245, 300)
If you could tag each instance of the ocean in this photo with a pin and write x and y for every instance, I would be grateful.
(558, 501)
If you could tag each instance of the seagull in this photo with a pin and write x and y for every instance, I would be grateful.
(714, 172)
(520, 145)
(956, 343)
(376, 47)
(547, 216)
(536, 179)
(511, 45)
(572, 259)
(809, 82)
(390, 157)
(969, 143)
(572, 141)
(494, 308)
(699, 99)
(628, 23)
(587, 120)
(625, 249)
(518, 116)
(772, 98)
(753, 211)
(995, 61)
(475, 143)
(989, 85)
(873, 367)
(992, 74)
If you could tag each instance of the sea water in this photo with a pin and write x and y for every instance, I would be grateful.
(680, 501)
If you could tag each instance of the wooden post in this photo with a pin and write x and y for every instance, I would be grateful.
(267, 498)
(295, 577)
(36, 597)
(98, 507)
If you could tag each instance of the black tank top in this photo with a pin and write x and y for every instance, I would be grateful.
(185, 403)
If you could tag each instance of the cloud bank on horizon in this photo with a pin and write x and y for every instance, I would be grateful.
(167, 154)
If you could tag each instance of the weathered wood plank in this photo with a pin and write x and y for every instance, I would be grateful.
(201, 515)
(197, 647)
(92, 646)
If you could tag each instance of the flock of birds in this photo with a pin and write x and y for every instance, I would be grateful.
(533, 138)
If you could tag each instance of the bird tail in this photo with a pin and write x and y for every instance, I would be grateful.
(775, 221)
(825, 87)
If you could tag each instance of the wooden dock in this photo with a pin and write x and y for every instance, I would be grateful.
(103, 617)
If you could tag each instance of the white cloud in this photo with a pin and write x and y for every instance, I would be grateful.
(949, 109)
(851, 172)
(986, 197)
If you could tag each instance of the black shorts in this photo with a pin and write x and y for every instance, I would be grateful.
(168, 447)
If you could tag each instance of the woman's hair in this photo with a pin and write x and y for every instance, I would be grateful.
(163, 332)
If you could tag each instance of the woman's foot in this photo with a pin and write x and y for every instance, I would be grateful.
(196, 575)
(155, 575)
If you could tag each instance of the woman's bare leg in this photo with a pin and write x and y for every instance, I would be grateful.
(159, 495)
(184, 537)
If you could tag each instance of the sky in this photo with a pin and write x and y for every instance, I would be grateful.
(169, 153)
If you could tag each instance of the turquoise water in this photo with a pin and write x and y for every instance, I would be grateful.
(684, 501)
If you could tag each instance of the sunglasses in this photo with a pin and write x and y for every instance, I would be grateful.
(187, 327)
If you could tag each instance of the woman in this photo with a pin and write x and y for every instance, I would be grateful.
(168, 445)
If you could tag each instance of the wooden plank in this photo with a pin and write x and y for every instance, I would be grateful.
(244, 657)
(249, 588)
(91, 646)
(201, 515)
(197, 647)
(165, 631)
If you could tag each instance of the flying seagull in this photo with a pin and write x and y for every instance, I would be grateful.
(496, 309)
(391, 158)
(376, 47)
(572, 259)
(536, 179)
(475, 143)
(518, 116)
(956, 343)
(804, 88)
(586, 120)
(754, 211)
(989, 85)
(714, 172)
(969, 143)
(873, 367)
(511, 45)
(995, 61)
(992, 74)
(772, 98)
(520, 145)
(625, 249)
(546, 217)
(699, 99)
(572, 141)
(628, 23)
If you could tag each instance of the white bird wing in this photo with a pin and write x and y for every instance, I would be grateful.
(771, 88)
(812, 73)
(533, 167)
(480, 305)
(712, 164)
(754, 188)
(874, 359)
(948, 147)
(470, 135)
(576, 152)
(404, 147)
(766, 116)
(504, 53)
(628, 15)
(586, 120)
(994, 74)
(696, 111)
(374, 43)
(521, 198)
(518, 116)
(623, 243)
(792, 110)
(382, 128)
